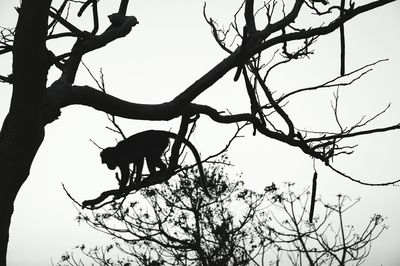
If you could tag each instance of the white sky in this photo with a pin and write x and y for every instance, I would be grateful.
(170, 49)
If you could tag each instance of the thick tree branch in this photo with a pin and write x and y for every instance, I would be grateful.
(285, 21)
(88, 96)
(249, 17)
(107, 36)
(85, 45)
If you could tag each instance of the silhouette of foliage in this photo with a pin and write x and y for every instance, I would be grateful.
(174, 224)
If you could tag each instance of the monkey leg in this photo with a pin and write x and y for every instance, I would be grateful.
(153, 162)
(139, 169)
(124, 175)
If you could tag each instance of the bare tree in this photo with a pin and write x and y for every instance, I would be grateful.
(327, 240)
(173, 224)
(33, 104)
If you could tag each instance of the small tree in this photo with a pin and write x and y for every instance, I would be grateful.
(326, 240)
(175, 225)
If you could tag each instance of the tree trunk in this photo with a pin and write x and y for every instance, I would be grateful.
(13, 173)
(23, 129)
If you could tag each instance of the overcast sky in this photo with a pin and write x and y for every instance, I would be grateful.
(170, 49)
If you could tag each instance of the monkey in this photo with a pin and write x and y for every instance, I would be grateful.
(149, 144)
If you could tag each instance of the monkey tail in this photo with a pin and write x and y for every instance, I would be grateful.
(198, 161)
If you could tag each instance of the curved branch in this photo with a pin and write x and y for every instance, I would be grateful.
(88, 96)
(364, 183)
(274, 104)
(337, 80)
(349, 135)
(153, 179)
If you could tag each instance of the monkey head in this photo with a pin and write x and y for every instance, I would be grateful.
(108, 157)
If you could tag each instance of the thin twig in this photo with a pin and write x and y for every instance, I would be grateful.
(362, 182)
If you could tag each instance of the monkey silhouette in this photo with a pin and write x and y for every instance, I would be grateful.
(149, 144)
